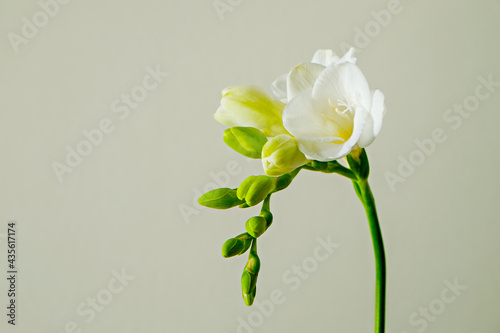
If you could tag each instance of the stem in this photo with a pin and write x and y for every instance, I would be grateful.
(346, 172)
(331, 167)
(368, 201)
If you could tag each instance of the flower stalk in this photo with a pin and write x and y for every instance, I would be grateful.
(368, 202)
(358, 162)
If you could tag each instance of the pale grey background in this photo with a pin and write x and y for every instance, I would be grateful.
(121, 206)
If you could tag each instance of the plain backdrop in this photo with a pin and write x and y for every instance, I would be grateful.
(122, 208)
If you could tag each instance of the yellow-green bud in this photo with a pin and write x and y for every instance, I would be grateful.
(221, 198)
(256, 226)
(281, 155)
(250, 106)
(255, 189)
(245, 185)
(249, 277)
(236, 246)
(247, 141)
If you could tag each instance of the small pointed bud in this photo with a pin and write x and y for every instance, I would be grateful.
(221, 198)
(255, 189)
(281, 155)
(248, 282)
(236, 246)
(247, 141)
(250, 274)
(256, 226)
(249, 278)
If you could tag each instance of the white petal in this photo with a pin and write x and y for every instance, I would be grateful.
(324, 57)
(223, 116)
(349, 56)
(378, 111)
(328, 151)
(374, 122)
(301, 120)
(301, 78)
(344, 83)
(278, 87)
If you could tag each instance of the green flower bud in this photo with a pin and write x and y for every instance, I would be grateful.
(250, 106)
(248, 282)
(249, 276)
(281, 155)
(255, 189)
(247, 141)
(245, 185)
(221, 198)
(236, 246)
(256, 226)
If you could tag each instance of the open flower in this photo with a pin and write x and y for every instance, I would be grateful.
(331, 109)
(249, 106)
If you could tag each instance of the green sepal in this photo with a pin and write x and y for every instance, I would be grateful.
(221, 198)
(248, 141)
(358, 162)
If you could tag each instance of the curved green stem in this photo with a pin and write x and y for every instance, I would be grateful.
(368, 201)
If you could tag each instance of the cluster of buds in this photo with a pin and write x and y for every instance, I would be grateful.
(251, 192)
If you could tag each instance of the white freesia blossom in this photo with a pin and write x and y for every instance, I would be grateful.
(330, 109)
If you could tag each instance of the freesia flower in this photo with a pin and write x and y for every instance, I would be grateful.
(324, 110)
(249, 106)
(331, 109)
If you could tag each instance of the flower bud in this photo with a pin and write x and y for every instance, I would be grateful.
(249, 276)
(249, 106)
(236, 246)
(221, 198)
(255, 189)
(247, 141)
(249, 298)
(256, 226)
(281, 155)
